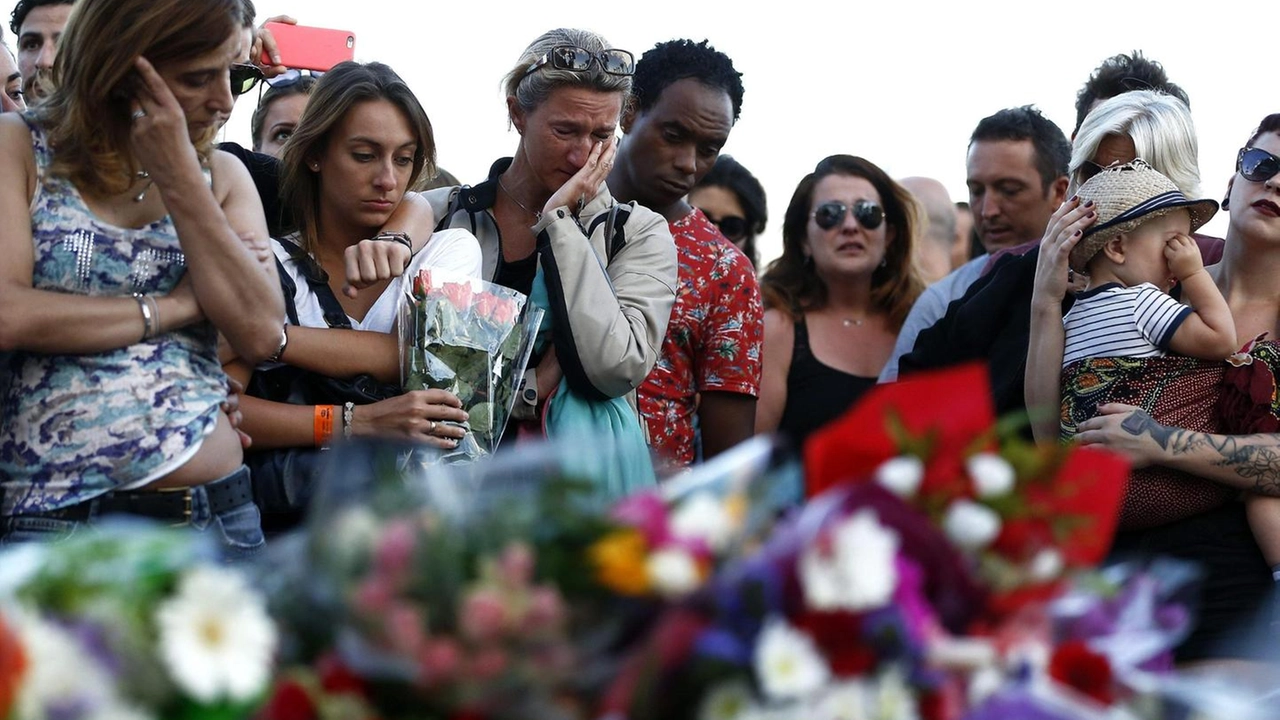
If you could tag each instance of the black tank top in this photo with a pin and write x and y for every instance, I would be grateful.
(816, 393)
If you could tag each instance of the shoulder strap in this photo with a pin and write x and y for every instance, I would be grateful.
(318, 280)
(614, 221)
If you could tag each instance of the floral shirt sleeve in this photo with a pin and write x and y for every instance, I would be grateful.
(713, 340)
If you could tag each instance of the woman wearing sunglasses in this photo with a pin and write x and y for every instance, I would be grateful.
(548, 227)
(732, 198)
(144, 246)
(1183, 498)
(837, 297)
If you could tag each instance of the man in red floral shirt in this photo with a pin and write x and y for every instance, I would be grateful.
(687, 96)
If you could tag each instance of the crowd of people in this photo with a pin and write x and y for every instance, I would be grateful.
(184, 326)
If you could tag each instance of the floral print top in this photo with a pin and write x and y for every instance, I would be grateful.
(73, 427)
(713, 340)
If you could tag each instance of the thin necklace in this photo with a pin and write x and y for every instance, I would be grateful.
(142, 195)
(536, 214)
(850, 322)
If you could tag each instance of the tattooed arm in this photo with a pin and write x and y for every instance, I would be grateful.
(1244, 462)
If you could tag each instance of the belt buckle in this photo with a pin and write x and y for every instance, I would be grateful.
(186, 507)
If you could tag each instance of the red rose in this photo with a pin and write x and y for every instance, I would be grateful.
(459, 294)
(289, 701)
(421, 284)
(485, 304)
(505, 310)
(1075, 665)
(337, 678)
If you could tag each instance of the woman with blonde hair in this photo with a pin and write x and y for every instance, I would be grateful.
(605, 271)
(361, 143)
(836, 298)
(144, 245)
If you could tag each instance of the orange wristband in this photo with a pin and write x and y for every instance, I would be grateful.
(323, 428)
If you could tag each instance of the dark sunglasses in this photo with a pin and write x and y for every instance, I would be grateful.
(1257, 165)
(244, 77)
(570, 57)
(830, 214)
(731, 226)
(292, 77)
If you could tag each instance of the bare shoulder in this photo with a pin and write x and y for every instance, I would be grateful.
(228, 174)
(779, 333)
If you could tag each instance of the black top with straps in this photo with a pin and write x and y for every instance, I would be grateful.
(816, 393)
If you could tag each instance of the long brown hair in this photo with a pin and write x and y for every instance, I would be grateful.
(87, 117)
(792, 285)
(341, 89)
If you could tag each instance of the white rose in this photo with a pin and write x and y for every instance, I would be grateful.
(901, 475)
(970, 525)
(992, 475)
(860, 572)
(1046, 565)
(703, 517)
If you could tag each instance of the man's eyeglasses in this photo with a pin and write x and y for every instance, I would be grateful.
(570, 57)
(830, 214)
(1257, 165)
(731, 226)
(244, 76)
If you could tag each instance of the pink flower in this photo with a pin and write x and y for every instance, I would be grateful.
(459, 294)
(403, 625)
(440, 660)
(515, 566)
(487, 664)
(646, 513)
(483, 616)
(373, 595)
(394, 552)
(546, 609)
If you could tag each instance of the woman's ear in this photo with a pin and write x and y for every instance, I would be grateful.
(628, 117)
(516, 114)
(1114, 249)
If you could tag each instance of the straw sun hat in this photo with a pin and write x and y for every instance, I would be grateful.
(1125, 196)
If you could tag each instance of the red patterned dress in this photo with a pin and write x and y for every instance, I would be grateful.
(713, 339)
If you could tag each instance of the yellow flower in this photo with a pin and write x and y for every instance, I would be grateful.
(620, 562)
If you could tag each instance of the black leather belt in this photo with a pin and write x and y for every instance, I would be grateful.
(173, 505)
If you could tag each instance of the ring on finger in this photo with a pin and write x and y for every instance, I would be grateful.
(1071, 275)
(431, 429)
(139, 114)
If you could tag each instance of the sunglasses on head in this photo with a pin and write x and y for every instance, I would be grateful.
(731, 226)
(571, 57)
(244, 76)
(830, 214)
(1257, 165)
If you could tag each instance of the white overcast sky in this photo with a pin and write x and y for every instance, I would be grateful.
(900, 83)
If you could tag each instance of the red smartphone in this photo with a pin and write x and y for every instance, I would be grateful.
(311, 48)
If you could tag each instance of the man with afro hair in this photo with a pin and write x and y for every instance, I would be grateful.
(686, 98)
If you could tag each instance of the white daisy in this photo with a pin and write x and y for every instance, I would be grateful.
(787, 663)
(216, 637)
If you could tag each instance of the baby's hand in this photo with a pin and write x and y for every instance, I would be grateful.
(1184, 257)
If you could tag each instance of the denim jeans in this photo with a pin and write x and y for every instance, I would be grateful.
(238, 528)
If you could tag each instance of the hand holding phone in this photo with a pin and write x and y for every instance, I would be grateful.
(310, 48)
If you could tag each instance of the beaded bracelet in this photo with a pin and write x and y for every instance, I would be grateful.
(348, 412)
(400, 237)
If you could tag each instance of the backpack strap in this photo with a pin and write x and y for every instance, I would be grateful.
(318, 280)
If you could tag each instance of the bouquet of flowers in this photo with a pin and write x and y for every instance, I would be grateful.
(130, 623)
(1023, 513)
(473, 339)
(501, 589)
(831, 618)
